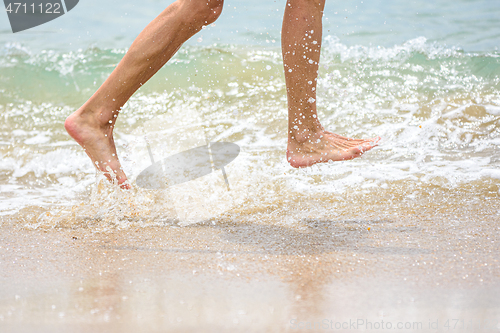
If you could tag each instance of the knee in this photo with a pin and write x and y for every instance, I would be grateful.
(306, 4)
(204, 12)
(214, 10)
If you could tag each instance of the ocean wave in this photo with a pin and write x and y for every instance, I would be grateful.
(437, 109)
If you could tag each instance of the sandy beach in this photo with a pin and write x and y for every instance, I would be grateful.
(404, 239)
(433, 268)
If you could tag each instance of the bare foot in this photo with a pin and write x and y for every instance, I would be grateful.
(96, 139)
(325, 146)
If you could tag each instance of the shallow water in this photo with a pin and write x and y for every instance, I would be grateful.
(436, 108)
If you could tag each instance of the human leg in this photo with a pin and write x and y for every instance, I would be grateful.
(92, 125)
(308, 142)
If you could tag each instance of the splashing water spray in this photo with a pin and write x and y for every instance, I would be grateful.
(187, 167)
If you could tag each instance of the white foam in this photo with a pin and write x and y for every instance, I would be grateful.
(493, 109)
(384, 54)
(428, 112)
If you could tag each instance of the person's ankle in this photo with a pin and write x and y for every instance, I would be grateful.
(304, 136)
(95, 117)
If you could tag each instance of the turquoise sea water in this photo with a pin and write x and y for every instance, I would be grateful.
(470, 25)
(424, 76)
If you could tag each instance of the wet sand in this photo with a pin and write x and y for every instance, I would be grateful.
(433, 268)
